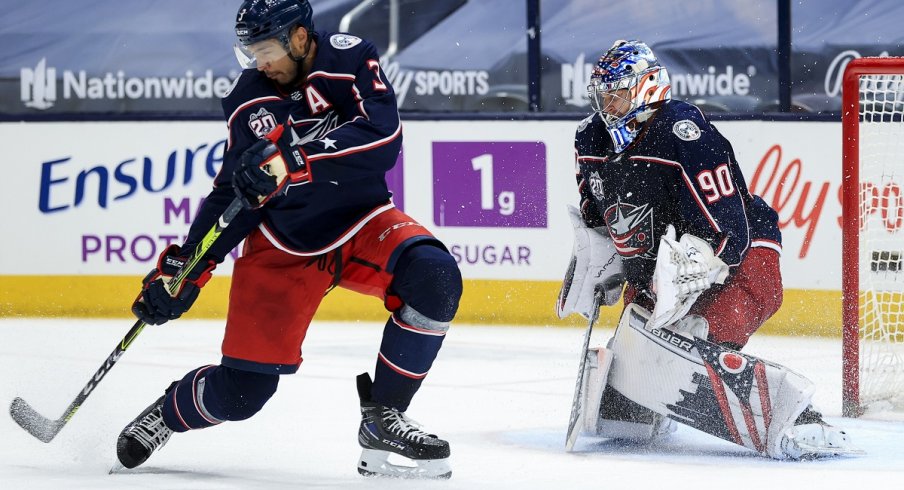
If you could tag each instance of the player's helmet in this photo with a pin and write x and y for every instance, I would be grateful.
(627, 86)
(258, 21)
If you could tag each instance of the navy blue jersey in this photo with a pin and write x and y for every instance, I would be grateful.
(346, 122)
(680, 171)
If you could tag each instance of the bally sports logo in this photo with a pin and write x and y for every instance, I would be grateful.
(38, 86)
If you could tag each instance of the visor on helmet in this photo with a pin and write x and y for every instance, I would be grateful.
(260, 53)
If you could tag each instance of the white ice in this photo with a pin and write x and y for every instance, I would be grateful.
(500, 395)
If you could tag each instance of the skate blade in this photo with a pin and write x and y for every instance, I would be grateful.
(117, 467)
(375, 463)
(818, 452)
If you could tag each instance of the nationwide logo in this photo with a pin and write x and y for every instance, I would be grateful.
(715, 81)
(39, 86)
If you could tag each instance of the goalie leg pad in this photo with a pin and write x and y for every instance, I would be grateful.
(596, 372)
(621, 418)
(607, 413)
(734, 396)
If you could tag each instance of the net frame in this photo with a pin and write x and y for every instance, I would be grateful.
(861, 308)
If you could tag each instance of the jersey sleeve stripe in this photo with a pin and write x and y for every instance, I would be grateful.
(332, 76)
(356, 149)
(765, 243)
(592, 159)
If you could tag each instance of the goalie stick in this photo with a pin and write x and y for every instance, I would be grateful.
(573, 426)
(46, 429)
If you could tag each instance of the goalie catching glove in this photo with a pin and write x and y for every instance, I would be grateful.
(267, 167)
(595, 265)
(684, 269)
(156, 305)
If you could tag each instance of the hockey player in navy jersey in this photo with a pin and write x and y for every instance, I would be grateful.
(313, 128)
(665, 214)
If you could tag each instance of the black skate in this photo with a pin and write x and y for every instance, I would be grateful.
(385, 431)
(143, 436)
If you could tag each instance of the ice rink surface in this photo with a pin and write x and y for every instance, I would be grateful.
(500, 395)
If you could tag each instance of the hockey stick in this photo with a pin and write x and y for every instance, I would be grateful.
(46, 429)
(573, 429)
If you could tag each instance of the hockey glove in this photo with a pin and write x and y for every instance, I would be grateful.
(267, 166)
(684, 269)
(155, 305)
(595, 266)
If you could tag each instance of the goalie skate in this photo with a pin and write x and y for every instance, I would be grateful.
(817, 440)
(811, 437)
(386, 434)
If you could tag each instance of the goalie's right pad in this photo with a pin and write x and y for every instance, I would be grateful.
(734, 396)
(595, 265)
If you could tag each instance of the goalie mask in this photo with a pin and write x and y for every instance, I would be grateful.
(627, 86)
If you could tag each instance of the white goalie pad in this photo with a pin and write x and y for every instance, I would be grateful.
(684, 269)
(599, 360)
(593, 423)
(595, 265)
(734, 396)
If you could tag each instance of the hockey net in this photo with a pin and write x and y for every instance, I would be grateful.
(873, 235)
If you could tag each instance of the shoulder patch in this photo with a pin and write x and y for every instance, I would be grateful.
(261, 122)
(686, 130)
(344, 41)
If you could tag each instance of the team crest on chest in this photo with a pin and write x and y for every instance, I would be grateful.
(631, 228)
(686, 130)
(344, 41)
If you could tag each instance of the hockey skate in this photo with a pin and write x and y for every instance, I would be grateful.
(143, 436)
(811, 437)
(385, 432)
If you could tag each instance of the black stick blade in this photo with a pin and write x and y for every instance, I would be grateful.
(36, 424)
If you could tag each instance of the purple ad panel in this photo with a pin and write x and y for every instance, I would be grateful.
(498, 184)
(395, 179)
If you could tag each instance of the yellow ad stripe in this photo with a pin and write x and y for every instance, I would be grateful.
(804, 312)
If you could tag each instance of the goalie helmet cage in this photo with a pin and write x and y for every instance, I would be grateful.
(873, 235)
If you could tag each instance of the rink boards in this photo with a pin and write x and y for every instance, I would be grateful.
(91, 205)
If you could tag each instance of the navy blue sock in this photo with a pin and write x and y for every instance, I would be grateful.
(210, 395)
(428, 281)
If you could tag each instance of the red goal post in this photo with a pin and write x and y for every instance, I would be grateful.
(873, 234)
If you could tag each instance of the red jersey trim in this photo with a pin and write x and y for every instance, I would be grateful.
(349, 233)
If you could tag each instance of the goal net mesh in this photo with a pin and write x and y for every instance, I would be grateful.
(881, 241)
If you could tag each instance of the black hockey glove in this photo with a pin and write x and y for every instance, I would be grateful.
(267, 166)
(155, 305)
